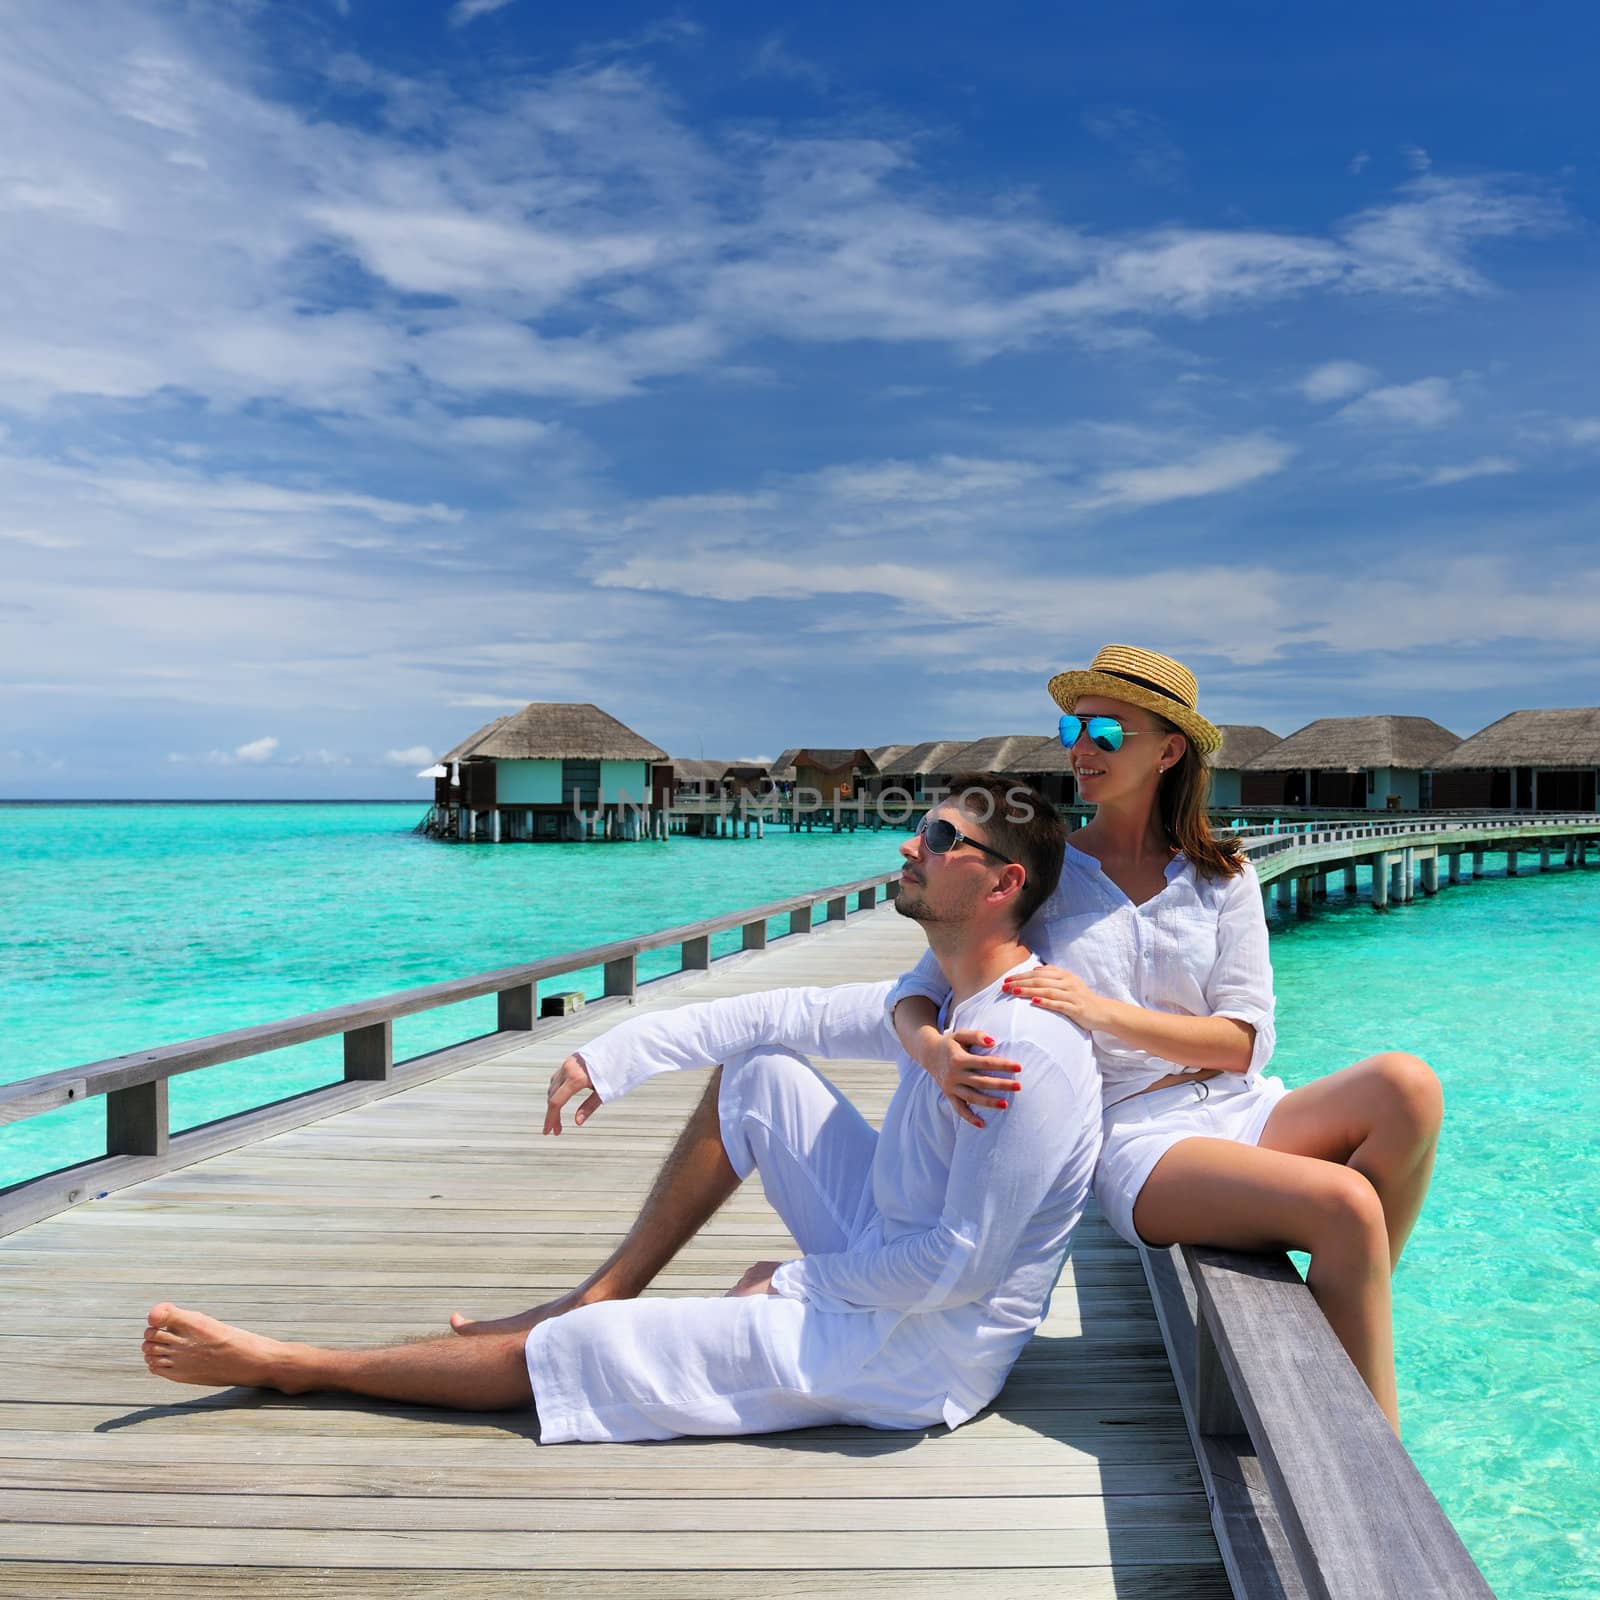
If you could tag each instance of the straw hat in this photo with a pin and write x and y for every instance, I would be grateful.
(1142, 678)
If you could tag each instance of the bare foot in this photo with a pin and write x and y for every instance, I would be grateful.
(523, 1320)
(190, 1347)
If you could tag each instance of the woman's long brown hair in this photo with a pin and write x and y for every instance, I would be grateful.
(1185, 789)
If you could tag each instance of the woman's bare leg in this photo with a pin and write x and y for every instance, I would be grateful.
(1380, 1117)
(1243, 1197)
(489, 1374)
(694, 1181)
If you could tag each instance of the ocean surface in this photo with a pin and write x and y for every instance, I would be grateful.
(135, 925)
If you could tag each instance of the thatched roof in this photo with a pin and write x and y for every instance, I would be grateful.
(472, 741)
(555, 731)
(1000, 753)
(692, 769)
(1568, 738)
(1242, 742)
(883, 754)
(824, 760)
(929, 758)
(1347, 744)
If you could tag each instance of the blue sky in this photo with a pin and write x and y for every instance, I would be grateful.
(369, 369)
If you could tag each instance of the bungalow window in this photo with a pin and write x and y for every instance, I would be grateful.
(580, 783)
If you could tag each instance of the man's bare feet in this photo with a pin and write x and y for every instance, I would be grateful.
(190, 1347)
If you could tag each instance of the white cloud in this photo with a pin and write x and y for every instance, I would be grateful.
(1581, 430)
(1221, 467)
(1427, 403)
(774, 59)
(1358, 163)
(495, 433)
(257, 750)
(1337, 380)
(417, 755)
(1417, 158)
(38, 540)
(1422, 242)
(1483, 467)
(465, 11)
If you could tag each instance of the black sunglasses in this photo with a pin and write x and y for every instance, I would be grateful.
(941, 836)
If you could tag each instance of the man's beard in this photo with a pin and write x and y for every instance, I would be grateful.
(914, 909)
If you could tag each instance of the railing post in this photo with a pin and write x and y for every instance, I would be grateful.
(622, 976)
(516, 1008)
(697, 953)
(369, 1053)
(755, 935)
(838, 908)
(867, 898)
(136, 1120)
(800, 920)
(1216, 1412)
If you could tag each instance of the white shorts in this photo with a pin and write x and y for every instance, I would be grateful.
(1137, 1132)
(661, 1367)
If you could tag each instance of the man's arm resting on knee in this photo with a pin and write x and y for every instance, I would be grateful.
(1000, 1177)
(845, 1021)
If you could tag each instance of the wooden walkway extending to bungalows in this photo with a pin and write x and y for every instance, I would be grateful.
(375, 1223)
(1184, 1427)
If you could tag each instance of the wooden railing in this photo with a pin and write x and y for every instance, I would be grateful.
(140, 1144)
(1311, 1494)
(1274, 850)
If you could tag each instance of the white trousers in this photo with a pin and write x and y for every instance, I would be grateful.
(659, 1367)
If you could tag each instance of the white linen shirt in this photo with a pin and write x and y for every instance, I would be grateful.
(1196, 949)
(968, 1226)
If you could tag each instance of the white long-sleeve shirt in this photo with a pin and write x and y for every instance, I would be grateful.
(1198, 949)
(968, 1226)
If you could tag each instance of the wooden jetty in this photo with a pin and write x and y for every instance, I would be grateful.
(1199, 1437)
(1295, 862)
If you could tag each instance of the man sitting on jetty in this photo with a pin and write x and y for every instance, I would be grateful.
(929, 1250)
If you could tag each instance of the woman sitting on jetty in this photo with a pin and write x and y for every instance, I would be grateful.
(1155, 942)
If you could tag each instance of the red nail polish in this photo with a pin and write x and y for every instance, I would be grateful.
(987, 1039)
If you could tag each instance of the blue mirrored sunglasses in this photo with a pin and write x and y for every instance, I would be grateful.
(1106, 732)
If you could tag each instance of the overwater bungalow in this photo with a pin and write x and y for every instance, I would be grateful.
(1527, 761)
(1030, 757)
(923, 767)
(882, 756)
(552, 771)
(1242, 742)
(1350, 764)
(695, 779)
(834, 775)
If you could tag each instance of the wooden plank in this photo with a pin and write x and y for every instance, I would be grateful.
(558, 1512)
(797, 1477)
(114, 1581)
(818, 1549)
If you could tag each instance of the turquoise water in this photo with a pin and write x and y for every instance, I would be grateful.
(137, 925)
(134, 926)
(1497, 1338)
